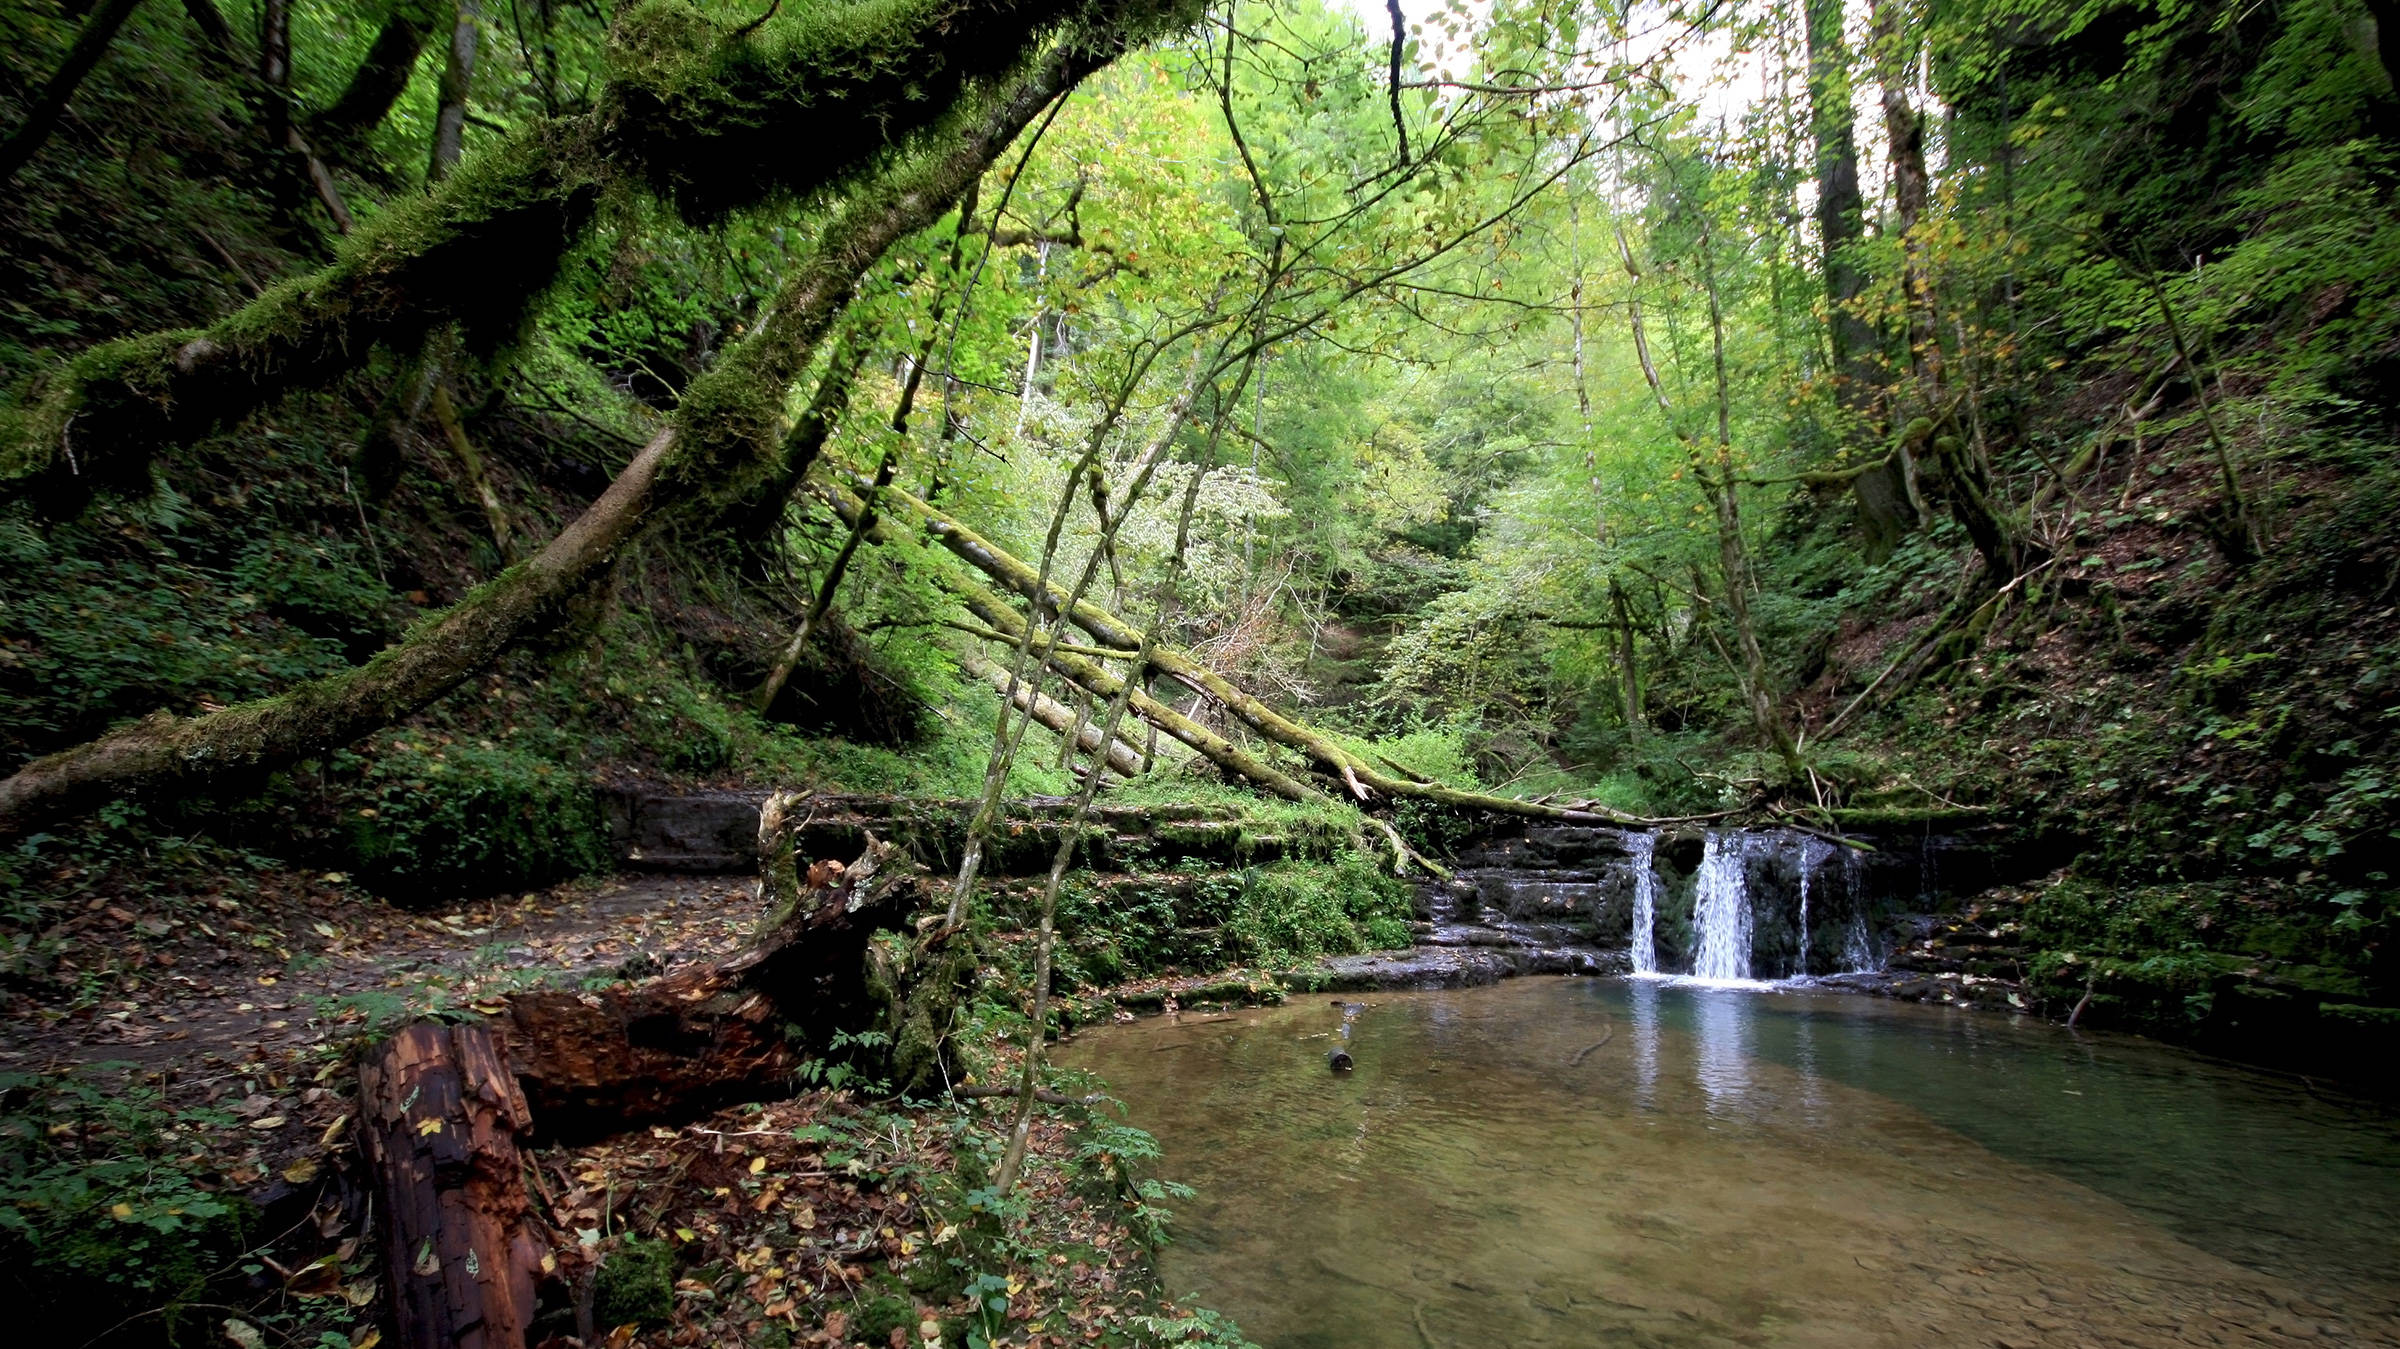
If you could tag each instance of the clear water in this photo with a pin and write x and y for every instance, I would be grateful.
(1611, 1162)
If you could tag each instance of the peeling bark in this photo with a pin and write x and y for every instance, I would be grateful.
(438, 1122)
(683, 1044)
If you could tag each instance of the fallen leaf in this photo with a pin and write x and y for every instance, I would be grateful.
(366, 1338)
(428, 1128)
(320, 1278)
(301, 1172)
(270, 1122)
(244, 1334)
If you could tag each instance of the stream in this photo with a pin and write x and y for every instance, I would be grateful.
(1578, 1161)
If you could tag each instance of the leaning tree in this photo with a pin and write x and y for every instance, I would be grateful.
(884, 110)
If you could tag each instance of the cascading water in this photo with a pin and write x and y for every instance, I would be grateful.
(1813, 852)
(1642, 847)
(1721, 908)
(1858, 949)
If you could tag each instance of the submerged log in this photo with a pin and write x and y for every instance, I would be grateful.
(438, 1121)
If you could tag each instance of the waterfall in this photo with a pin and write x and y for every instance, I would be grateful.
(1858, 953)
(1858, 949)
(1813, 852)
(1641, 845)
(1721, 908)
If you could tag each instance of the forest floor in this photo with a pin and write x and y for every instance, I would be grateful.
(234, 1020)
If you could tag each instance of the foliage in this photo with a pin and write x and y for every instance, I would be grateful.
(468, 815)
(95, 1206)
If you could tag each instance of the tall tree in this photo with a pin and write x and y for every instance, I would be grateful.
(1885, 505)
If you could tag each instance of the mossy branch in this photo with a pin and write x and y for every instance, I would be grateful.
(717, 121)
(532, 596)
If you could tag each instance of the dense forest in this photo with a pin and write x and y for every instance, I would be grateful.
(612, 613)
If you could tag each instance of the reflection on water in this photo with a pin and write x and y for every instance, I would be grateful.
(1580, 1162)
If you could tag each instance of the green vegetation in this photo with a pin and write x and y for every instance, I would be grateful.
(1552, 425)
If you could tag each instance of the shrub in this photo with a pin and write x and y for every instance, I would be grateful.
(470, 816)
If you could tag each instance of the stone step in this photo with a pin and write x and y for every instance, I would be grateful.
(716, 832)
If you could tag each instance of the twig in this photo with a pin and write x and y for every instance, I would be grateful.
(1587, 1050)
(2086, 1000)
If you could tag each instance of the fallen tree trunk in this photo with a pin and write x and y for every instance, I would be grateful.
(442, 1106)
(1355, 772)
(704, 116)
(678, 1046)
(1123, 759)
(1093, 677)
(439, 1116)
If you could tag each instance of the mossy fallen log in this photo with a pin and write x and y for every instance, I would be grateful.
(725, 430)
(712, 116)
(1359, 776)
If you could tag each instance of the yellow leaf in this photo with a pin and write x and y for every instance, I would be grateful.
(368, 1338)
(431, 1126)
(757, 1164)
(121, 1212)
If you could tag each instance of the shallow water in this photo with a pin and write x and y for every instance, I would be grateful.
(1606, 1162)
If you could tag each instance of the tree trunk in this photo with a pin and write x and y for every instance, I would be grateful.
(681, 1045)
(1124, 759)
(1884, 509)
(1904, 130)
(450, 108)
(679, 465)
(495, 515)
(215, 33)
(443, 1105)
(275, 71)
(379, 80)
(439, 1115)
(49, 105)
(1629, 669)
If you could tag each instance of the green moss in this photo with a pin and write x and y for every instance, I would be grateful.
(1296, 910)
(636, 1285)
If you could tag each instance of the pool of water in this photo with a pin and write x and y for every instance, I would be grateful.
(1611, 1162)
